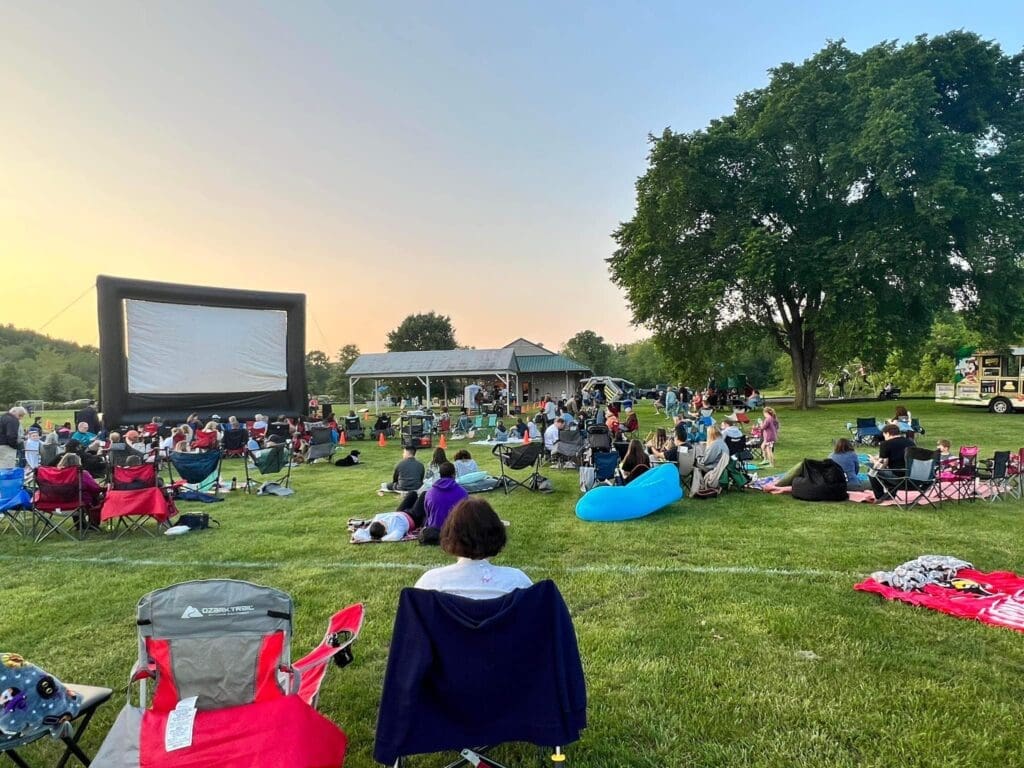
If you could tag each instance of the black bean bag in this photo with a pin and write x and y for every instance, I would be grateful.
(820, 481)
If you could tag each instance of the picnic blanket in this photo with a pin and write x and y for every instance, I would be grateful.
(412, 536)
(906, 498)
(995, 598)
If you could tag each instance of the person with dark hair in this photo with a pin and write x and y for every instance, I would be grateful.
(408, 474)
(465, 463)
(635, 457)
(473, 533)
(387, 526)
(436, 461)
(438, 502)
(845, 455)
(891, 462)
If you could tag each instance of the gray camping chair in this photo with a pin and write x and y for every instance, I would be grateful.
(321, 443)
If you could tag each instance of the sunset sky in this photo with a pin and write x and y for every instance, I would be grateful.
(388, 158)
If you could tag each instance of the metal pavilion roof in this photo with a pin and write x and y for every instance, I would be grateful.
(448, 362)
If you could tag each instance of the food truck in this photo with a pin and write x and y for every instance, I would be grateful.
(991, 379)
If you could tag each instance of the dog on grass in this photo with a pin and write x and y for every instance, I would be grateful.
(348, 461)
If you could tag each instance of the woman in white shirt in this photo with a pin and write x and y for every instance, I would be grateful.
(473, 532)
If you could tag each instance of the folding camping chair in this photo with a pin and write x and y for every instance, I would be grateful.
(919, 477)
(271, 460)
(519, 457)
(135, 498)
(281, 430)
(865, 432)
(199, 469)
(606, 465)
(233, 442)
(354, 428)
(15, 501)
(599, 437)
(321, 443)
(568, 449)
(686, 457)
(958, 482)
(58, 505)
(383, 424)
(228, 643)
(995, 481)
(1016, 472)
(443, 690)
(92, 698)
(205, 441)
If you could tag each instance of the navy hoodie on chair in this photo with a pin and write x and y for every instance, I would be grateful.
(465, 672)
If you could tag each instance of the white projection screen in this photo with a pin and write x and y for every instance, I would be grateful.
(182, 348)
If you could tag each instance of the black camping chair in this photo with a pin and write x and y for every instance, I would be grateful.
(279, 429)
(354, 428)
(195, 468)
(520, 457)
(271, 460)
(599, 437)
(233, 441)
(738, 448)
(383, 424)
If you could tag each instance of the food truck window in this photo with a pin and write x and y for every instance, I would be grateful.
(1013, 366)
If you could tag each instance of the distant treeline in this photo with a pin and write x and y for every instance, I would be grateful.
(34, 366)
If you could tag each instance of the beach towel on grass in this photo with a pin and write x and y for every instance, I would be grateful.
(408, 537)
(995, 598)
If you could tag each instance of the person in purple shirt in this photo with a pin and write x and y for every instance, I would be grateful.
(439, 500)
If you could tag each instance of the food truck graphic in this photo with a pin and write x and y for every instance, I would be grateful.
(991, 379)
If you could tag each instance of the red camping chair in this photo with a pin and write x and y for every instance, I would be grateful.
(204, 441)
(228, 643)
(58, 505)
(134, 499)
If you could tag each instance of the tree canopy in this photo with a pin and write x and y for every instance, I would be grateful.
(590, 349)
(839, 208)
(422, 332)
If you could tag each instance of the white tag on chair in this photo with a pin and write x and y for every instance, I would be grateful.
(178, 734)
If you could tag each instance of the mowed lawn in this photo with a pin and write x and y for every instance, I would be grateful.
(714, 633)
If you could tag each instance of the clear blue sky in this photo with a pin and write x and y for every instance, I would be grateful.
(383, 158)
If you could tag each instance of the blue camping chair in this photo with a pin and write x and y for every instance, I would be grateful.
(199, 469)
(866, 432)
(14, 500)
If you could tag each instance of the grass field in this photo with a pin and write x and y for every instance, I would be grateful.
(713, 633)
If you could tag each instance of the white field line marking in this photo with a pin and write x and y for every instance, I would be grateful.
(630, 570)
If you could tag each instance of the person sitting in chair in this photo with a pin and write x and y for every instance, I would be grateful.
(891, 462)
(464, 424)
(83, 435)
(551, 434)
(473, 533)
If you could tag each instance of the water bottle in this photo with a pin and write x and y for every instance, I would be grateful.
(234, 483)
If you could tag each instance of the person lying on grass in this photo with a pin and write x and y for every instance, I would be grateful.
(387, 526)
(473, 533)
(846, 457)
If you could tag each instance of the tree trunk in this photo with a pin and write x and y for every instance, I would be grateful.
(806, 367)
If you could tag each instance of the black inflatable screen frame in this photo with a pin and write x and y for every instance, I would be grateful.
(121, 407)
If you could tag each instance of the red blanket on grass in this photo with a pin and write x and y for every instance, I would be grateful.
(995, 598)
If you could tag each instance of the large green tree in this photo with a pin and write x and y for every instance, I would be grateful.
(590, 349)
(422, 333)
(839, 208)
(318, 370)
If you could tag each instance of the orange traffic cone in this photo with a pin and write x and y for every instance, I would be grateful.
(526, 437)
(342, 440)
(381, 441)
(443, 442)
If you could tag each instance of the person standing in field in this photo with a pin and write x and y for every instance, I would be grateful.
(11, 435)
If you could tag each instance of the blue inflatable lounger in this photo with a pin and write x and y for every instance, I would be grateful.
(650, 492)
